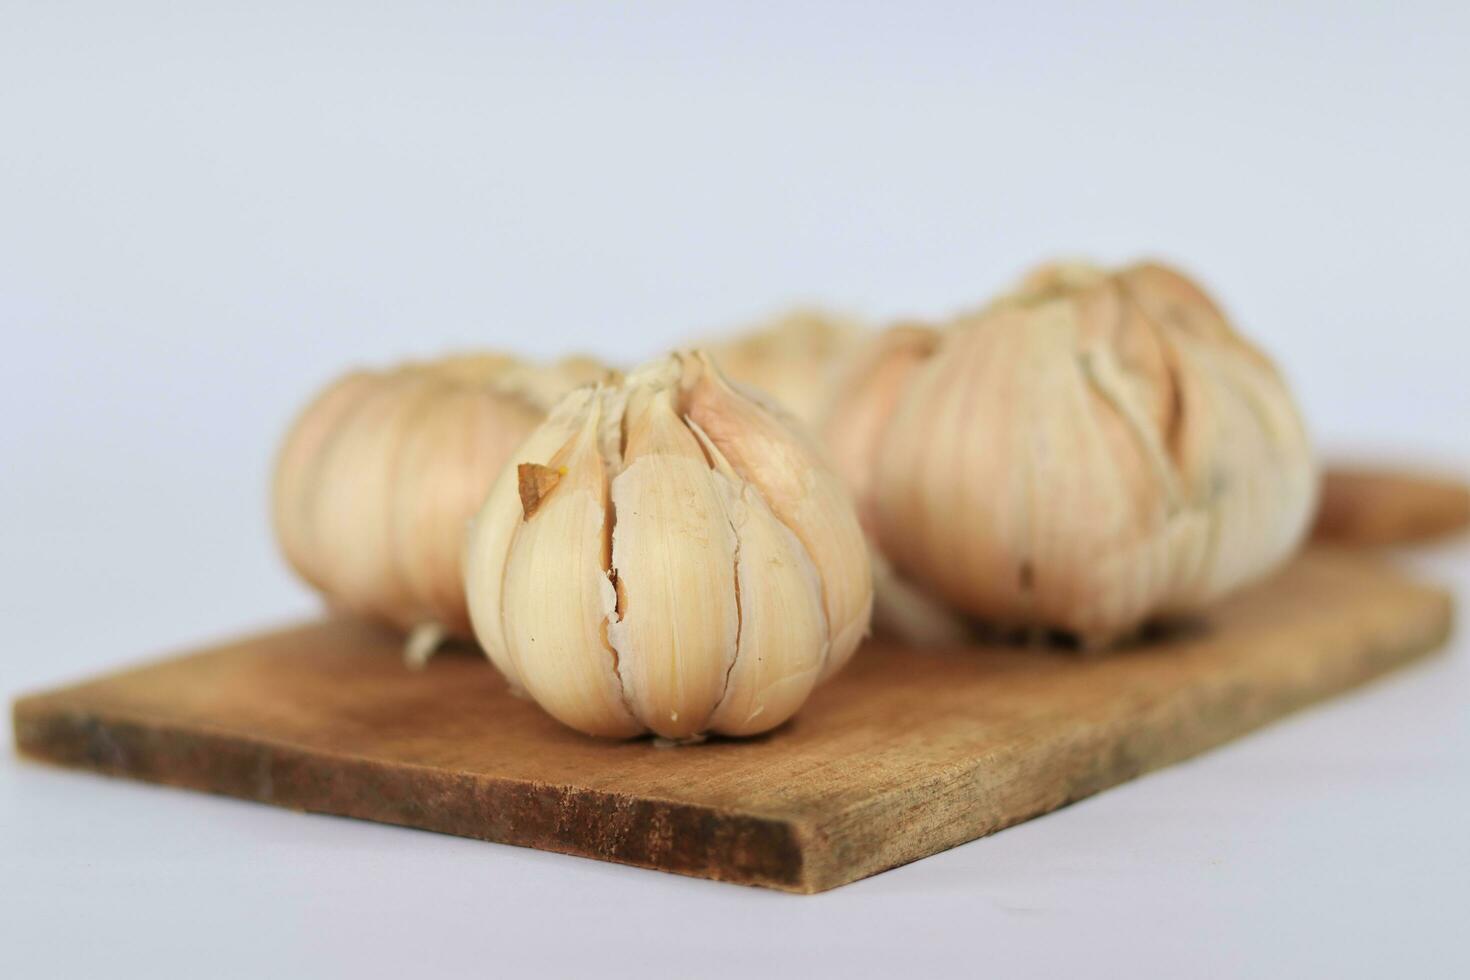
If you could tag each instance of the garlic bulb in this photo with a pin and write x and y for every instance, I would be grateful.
(1093, 451)
(796, 359)
(668, 555)
(379, 476)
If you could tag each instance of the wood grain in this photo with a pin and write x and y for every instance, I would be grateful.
(906, 753)
(1376, 506)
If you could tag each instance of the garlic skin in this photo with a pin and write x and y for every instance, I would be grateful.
(795, 358)
(863, 403)
(865, 398)
(380, 474)
(668, 555)
(1093, 451)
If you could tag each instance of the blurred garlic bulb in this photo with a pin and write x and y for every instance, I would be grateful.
(859, 411)
(380, 475)
(1093, 451)
(667, 555)
(795, 359)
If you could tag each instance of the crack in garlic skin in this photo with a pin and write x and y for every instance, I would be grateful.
(1091, 451)
(673, 548)
(713, 612)
(803, 493)
(494, 529)
(378, 476)
(783, 642)
(556, 594)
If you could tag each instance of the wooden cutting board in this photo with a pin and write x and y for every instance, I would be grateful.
(905, 754)
(1374, 506)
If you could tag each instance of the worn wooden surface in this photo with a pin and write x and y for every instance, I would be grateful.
(1376, 506)
(904, 754)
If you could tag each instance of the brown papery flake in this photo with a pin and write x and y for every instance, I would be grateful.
(535, 482)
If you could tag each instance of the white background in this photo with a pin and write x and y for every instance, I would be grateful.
(208, 210)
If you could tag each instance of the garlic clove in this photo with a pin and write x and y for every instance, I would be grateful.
(351, 514)
(453, 452)
(783, 635)
(782, 639)
(557, 594)
(1175, 302)
(809, 499)
(854, 431)
(853, 428)
(673, 555)
(494, 527)
(1240, 445)
(1246, 458)
(298, 468)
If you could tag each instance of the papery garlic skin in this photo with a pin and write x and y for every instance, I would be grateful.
(791, 473)
(379, 476)
(864, 399)
(795, 358)
(1091, 452)
(667, 555)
